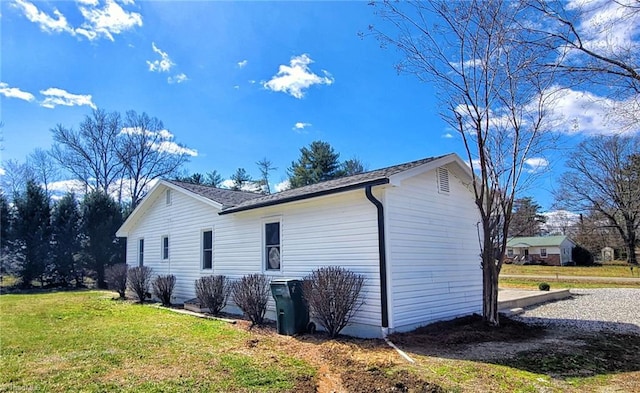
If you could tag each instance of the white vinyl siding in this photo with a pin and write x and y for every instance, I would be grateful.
(433, 251)
(182, 222)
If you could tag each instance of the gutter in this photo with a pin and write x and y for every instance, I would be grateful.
(382, 256)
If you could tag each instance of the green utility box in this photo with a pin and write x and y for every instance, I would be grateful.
(291, 310)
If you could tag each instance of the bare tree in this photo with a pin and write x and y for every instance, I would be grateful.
(598, 46)
(147, 152)
(15, 177)
(493, 92)
(265, 166)
(43, 167)
(90, 154)
(604, 178)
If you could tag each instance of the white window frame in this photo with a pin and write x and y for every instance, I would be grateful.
(164, 256)
(168, 198)
(265, 253)
(140, 252)
(202, 250)
(543, 254)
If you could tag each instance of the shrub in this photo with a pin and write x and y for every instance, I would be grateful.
(251, 294)
(333, 296)
(213, 292)
(543, 286)
(581, 256)
(163, 288)
(138, 281)
(116, 278)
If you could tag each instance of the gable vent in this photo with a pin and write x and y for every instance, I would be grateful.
(443, 180)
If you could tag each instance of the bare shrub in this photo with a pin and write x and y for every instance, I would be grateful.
(333, 296)
(116, 278)
(213, 292)
(163, 288)
(251, 294)
(139, 280)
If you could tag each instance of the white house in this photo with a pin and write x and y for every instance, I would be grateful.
(550, 250)
(411, 229)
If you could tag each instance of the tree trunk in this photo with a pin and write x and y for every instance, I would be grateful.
(489, 286)
(631, 245)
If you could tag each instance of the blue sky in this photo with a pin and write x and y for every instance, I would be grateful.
(233, 81)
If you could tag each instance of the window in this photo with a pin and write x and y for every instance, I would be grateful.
(207, 249)
(510, 252)
(272, 245)
(543, 252)
(443, 180)
(141, 252)
(167, 197)
(165, 247)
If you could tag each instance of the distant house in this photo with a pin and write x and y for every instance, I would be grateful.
(550, 250)
(410, 229)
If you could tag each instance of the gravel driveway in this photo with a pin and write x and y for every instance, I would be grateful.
(609, 309)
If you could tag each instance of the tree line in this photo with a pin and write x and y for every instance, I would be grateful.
(62, 242)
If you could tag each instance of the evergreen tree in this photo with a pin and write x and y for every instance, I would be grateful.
(101, 218)
(526, 219)
(317, 163)
(32, 233)
(352, 167)
(65, 222)
(6, 257)
(240, 178)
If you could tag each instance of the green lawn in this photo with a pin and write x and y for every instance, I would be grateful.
(84, 341)
(609, 270)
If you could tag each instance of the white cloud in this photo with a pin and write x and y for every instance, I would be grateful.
(47, 23)
(536, 164)
(296, 77)
(2, 171)
(300, 126)
(109, 20)
(447, 135)
(559, 221)
(98, 21)
(237, 87)
(14, 92)
(282, 186)
(163, 64)
(575, 112)
(243, 63)
(161, 141)
(247, 186)
(607, 26)
(55, 96)
(178, 78)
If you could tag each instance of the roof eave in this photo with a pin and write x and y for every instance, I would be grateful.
(316, 194)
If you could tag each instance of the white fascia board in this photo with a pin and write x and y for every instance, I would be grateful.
(398, 178)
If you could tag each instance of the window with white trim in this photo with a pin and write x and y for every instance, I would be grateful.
(272, 245)
(510, 252)
(165, 247)
(140, 252)
(207, 249)
(543, 252)
(167, 197)
(443, 180)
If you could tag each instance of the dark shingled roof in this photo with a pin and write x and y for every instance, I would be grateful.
(379, 176)
(227, 198)
(235, 201)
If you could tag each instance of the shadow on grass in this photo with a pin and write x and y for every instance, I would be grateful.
(554, 348)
